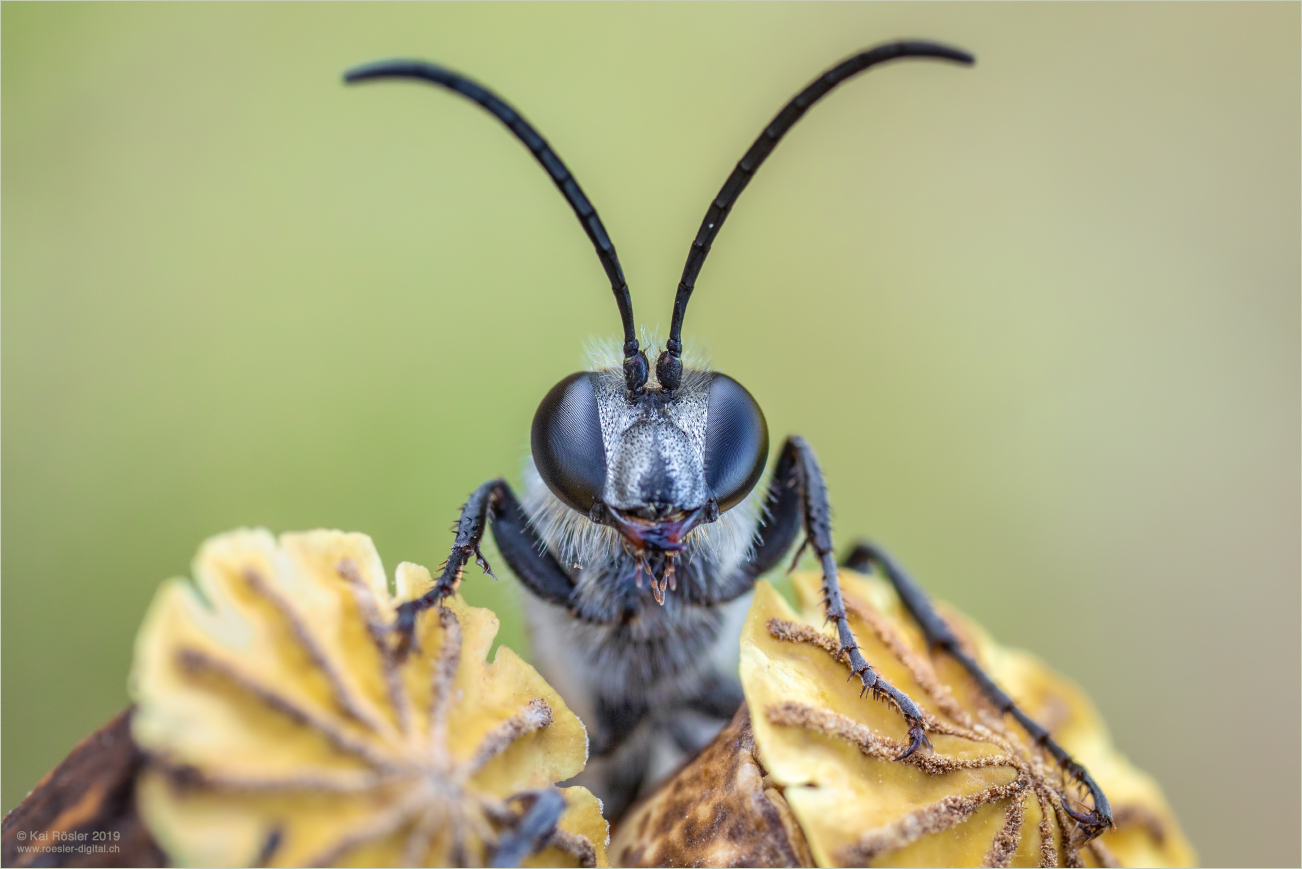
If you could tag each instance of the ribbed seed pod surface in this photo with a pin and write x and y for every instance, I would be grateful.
(283, 728)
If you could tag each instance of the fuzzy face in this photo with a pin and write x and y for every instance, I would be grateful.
(655, 466)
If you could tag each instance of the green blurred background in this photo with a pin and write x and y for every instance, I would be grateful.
(1040, 318)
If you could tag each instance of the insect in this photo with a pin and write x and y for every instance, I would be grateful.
(637, 537)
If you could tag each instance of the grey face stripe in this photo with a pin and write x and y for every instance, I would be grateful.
(653, 450)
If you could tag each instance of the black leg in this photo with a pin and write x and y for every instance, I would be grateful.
(797, 491)
(863, 558)
(532, 831)
(524, 552)
(779, 525)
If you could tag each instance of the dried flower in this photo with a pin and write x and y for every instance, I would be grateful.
(827, 758)
(281, 729)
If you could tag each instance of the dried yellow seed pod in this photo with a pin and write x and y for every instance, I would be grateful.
(281, 729)
(986, 796)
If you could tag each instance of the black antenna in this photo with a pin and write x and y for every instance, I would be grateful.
(669, 367)
(635, 363)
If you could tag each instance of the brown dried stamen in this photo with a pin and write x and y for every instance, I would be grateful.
(442, 677)
(791, 632)
(386, 823)
(918, 666)
(347, 701)
(1048, 851)
(1070, 848)
(937, 817)
(378, 631)
(184, 775)
(1000, 853)
(201, 663)
(791, 714)
(576, 846)
(532, 718)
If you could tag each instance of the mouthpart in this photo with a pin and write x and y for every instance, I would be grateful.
(665, 535)
(648, 538)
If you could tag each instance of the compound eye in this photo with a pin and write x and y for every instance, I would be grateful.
(736, 442)
(568, 449)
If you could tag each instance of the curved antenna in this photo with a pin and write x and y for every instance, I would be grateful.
(635, 364)
(669, 366)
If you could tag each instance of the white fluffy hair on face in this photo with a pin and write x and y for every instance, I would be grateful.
(571, 536)
(579, 542)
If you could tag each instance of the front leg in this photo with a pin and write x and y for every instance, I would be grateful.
(528, 558)
(940, 636)
(798, 495)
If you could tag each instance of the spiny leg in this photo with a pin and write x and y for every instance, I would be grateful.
(797, 494)
(528, 558)
(863, 557)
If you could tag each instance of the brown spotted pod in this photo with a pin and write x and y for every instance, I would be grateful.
(717, 811)
(280, 727)
(811, 769)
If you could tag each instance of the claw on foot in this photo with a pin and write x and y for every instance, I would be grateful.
(1092, 822)
(918, 741)
(483, 563)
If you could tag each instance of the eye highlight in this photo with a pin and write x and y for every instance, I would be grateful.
(567, 445)
(736, 442)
